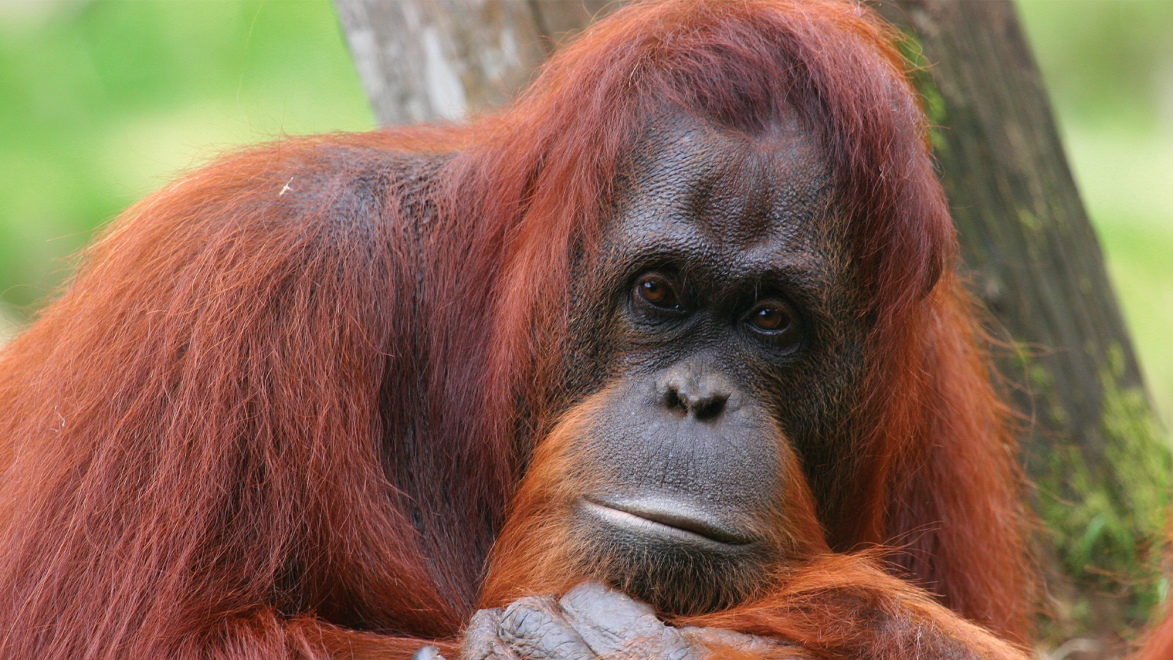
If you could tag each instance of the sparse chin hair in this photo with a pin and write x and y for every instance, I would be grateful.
(675, 580)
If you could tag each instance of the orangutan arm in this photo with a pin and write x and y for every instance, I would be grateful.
(835, 607)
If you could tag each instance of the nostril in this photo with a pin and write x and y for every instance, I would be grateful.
(688, 390)
(709, 407)
(673, 401)
(702, 407)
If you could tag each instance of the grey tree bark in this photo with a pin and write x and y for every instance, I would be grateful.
(1091, 447)
(430, 60)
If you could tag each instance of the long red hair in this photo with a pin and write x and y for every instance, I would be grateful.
(933, 467)
(298, 386)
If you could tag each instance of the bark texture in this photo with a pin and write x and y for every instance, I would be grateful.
(431, 60)
(1091, 445)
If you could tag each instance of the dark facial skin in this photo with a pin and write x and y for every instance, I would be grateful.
(722, 311)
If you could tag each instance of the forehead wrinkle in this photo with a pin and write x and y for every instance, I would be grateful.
(778, 210)
(728, 201)
(769, 184)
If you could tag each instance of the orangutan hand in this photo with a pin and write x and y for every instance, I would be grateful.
(592, 621)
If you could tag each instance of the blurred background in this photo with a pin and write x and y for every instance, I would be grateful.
(102, 101)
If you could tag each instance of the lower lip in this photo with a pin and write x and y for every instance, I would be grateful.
(645, 527)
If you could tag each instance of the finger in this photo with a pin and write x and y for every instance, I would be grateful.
(482, 640)
(535, 629)
(606, 619)
(610, 622)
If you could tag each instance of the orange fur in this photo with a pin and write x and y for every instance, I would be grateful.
(1159, 642)
(846, 606)
(281, 410)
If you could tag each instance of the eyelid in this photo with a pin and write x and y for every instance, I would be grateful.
(635, 295)
(787, 337)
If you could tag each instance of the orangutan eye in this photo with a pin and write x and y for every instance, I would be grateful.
(774, 319)
(656, 290)
(770, 318)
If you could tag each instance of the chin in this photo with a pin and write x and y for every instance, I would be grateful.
(681, 564)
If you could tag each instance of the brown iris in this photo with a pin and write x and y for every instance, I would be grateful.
(770, 317)
(655, 289)
(775, 319)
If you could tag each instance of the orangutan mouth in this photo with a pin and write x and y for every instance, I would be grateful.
(670, 520)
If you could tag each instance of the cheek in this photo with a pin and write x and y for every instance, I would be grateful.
(536, 552)
(640, 497)
(812, 400)
(632, 492)
(595, 338)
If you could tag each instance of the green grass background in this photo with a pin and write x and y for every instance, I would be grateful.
(103, 101)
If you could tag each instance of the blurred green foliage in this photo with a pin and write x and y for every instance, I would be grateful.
(102, 101)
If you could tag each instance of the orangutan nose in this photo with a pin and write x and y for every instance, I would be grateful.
(690, 389)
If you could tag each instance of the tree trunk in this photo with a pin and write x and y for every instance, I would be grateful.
(431, 60)
(1090, 441)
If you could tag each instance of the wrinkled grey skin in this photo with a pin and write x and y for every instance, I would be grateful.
(589, 622)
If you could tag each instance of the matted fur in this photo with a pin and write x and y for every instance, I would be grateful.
(289, 396)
